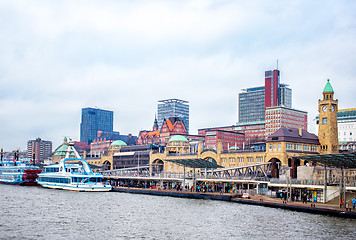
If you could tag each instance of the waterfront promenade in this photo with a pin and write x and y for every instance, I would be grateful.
(261, 200)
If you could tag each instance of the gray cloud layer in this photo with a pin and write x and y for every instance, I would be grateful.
(57, 57)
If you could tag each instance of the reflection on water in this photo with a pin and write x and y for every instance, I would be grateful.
(38, 213)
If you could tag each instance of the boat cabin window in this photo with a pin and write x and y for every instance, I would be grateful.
(54, 180)
(52, 169)
(95, 180)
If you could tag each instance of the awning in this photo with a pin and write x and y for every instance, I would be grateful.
(196, 163)
(124, 154)
(338, 160)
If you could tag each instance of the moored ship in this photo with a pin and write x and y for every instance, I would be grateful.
(18, 171)
(72, 174)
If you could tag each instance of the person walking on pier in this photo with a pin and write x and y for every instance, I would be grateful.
(353, 203)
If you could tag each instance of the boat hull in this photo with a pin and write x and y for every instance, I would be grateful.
(78, 188)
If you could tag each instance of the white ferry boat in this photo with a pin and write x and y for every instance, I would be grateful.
(72, 176)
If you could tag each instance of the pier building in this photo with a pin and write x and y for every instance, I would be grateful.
(282, 146)
(120, 155)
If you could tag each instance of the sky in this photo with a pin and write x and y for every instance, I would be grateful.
(57, 57)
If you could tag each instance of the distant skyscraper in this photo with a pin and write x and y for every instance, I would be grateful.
(254, 101)
(252, 105)
(284, 96)
(271, 88)
(94, 120)
(42, 149)
(173, 108)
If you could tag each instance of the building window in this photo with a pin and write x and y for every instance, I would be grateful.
(279, 146)
(324, 120)
(297, 147)
(289, 146)
(306, 148)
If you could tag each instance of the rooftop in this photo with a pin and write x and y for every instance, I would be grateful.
(178, 138)
(173, 100)
(328, 87)
(292, 135)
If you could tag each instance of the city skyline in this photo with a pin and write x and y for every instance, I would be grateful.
(126, 56)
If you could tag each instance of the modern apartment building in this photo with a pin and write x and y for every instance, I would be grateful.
(173, 108)
(42, 149)
(94, 120)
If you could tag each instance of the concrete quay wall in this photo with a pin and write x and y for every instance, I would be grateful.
(308, 208)
(182, 194)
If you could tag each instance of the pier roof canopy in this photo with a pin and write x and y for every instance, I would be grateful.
(196, 163)
(339, 160)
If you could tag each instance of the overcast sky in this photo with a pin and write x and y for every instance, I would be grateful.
(57, 57)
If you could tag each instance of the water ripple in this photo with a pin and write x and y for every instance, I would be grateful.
(38, 213)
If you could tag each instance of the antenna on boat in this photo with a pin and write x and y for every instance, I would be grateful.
(34, 159)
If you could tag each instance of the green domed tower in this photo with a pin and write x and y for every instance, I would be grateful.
(328, 132)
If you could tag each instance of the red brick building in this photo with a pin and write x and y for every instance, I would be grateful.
(277, 117)
(170, 127)
(230, 138)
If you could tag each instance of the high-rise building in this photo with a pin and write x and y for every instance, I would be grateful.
(271, 88)
(42, 149)
(173, 108)
(94, 120)
(252, 105)
(284, 96)
(254, 101)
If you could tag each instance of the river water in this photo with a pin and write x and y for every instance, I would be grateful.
(38, 213)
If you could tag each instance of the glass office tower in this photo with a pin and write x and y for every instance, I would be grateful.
(254, 101)
(173, 108)
(94, 120)
(252, 105)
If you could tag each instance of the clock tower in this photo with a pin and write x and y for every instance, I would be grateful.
(328, 132)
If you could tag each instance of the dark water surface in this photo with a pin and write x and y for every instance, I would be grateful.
(38, 213)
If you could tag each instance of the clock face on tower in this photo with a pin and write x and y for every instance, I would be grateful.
(325, 108)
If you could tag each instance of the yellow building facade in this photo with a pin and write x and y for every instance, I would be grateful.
(282, 146)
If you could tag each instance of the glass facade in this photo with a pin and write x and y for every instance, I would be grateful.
(252, 105)
(94, 120)
(284, 96)
(173, 108)
(253, 101)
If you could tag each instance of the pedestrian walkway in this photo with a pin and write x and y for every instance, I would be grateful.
(311, 207)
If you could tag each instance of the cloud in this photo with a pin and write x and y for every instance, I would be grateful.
(57, 57)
